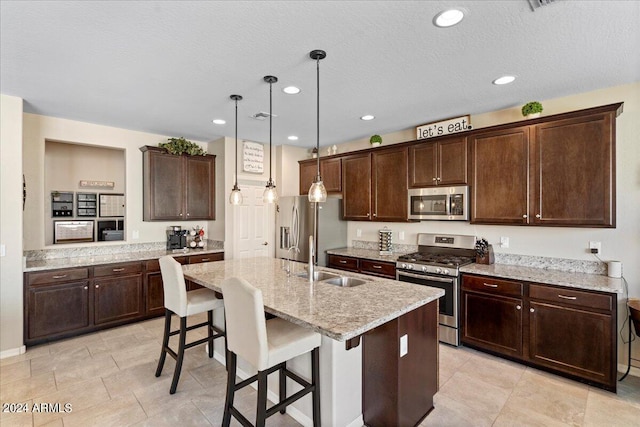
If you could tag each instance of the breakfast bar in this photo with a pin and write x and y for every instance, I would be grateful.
(398, 323)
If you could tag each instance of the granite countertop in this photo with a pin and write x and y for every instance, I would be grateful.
(336, 312)
(87, 261)
(371, 254)
(592, 282)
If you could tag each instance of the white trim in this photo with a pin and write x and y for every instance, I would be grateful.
(13, 352)
(635, 371)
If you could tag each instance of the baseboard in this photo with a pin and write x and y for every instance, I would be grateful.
(633, 371)
(13, 352)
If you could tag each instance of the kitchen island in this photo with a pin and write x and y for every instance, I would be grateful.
(398, 317)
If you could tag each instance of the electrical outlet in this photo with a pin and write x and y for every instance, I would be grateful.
(595, 247)
(358, 232)
(504, 242)
(404, 345)
(401, 235)
(136, 234)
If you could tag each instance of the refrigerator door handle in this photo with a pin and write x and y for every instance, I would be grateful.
(295, 226)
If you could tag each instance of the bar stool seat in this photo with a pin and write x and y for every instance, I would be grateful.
(182, 303)
(266, 345)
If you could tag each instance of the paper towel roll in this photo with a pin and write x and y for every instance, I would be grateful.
(614, 269)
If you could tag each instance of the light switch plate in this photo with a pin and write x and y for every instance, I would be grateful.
(504, 242)
(136, 234)
(404, 345)
(401, 235)
(358, 232)
(3, 250)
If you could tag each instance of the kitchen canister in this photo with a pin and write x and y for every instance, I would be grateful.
(385, 244)
(614, 269)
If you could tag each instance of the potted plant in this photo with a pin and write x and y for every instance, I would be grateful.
(532, 109)
(375, 140)
(484, 252)
(180, 146)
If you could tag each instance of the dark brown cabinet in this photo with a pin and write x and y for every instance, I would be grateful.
(442, 162)
(330, 171)
(45, 318)
(154, 292)
(361, 265)
(177, 187)
(374, 185)
(567, 331)
(117, 299)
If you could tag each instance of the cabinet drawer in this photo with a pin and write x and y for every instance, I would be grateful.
(57, 276)
(117, 269)
(571, 297)
(195, 259)
(491, 285)
(386, 269)
(154, 264)
(343, 263)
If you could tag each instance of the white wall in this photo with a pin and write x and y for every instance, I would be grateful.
(11, 225)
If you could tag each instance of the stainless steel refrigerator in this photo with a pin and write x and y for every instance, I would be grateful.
(294, 225)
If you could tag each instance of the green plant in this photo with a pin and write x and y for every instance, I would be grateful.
(531, 108)
(180, 146)
(375, 139)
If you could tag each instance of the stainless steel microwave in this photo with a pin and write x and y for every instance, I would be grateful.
(439, 203)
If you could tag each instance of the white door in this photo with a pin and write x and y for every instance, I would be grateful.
(254, 222)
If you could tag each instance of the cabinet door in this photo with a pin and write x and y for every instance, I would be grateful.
(308, 172)
(492, 322)
(574, 172)
(163, 190)
(57, 309)
(343, 263)
(118, 298)
(389, 185)
(356, 187)
(423, 165)
(331, 172)
(500, 177)
(200, 187)
(155, 294)
(452, 161)
(574, 341)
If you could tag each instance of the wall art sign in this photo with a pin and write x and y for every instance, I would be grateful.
(252, 157)
(97, 184)
(443, 127)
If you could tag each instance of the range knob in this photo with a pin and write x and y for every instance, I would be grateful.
(409, 266)
(445, 271)
(438, 270)
(425, 269)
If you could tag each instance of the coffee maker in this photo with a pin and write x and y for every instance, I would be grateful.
(176, 238)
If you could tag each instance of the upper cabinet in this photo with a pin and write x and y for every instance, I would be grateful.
(558, 172)
(330, 171)
(177, 187)
(375, 185)
(442, 162)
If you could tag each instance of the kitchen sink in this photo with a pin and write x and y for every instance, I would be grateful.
(319, 275)
(345, 282)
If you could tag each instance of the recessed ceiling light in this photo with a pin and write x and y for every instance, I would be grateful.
(292, 138)
(448, 18)
(367, 117)
(504, 80)
(291, 90)
(219, 121)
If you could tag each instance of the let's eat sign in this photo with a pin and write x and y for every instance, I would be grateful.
(444, 127)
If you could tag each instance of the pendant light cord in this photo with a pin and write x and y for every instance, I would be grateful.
(236, 156)
(270, 119)
(318, 117)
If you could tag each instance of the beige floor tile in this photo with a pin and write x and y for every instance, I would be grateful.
(136, 355)
(606, 409)
(76, 373)
(134, 379)
(156, 398)
(61, 359)
(448, 412)
(110, 344)
(184, 415)
(628, 390)
(80, 396)
(121, 330)
(121, 411)
(28, 388)
(54, 423)
(514, 414)
(31, 352)
(210, 374)
(450, 360)
(15, 371)
(499, 372)
(18, 415)
(72, 343)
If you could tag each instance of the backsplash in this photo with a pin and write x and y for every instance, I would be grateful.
(560, 264)
(56, 253)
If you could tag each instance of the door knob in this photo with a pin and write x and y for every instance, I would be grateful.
(265, 244)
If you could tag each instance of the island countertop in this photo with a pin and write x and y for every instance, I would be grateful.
(336, 312)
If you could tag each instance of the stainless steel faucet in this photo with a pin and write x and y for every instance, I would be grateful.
(312, 256)
(288, 269)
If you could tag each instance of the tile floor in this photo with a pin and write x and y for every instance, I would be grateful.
(108, 377)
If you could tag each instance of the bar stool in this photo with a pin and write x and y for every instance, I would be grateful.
(266, 345)
(182, 303)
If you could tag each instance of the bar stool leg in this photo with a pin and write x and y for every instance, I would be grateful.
(231, 387)
(165, 342)
(629, 359)
(210, 331)
(261, 410)
(315, 378)
(183, 338)
(283, 386)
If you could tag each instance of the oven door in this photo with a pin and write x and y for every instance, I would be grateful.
(448, 303)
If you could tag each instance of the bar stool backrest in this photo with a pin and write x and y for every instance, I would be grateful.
(175, 290)
(246, 326)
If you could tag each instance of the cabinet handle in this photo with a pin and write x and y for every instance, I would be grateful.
(525, 216)
(97, 286)
(180, 214)
(490, 285)
(518, 307)
(439, 179)
(538, 216)
(116, 270)
(60, 276)
(531, 310)
(85, 288)
(377, 266)
(342, 261)
(204, 260)
(566, 297)
(188, 214)
(375, 215)
(434, 179)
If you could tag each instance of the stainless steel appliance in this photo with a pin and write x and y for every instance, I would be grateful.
(437, 263)
(294, 225)
(440, 203)
(176, 238)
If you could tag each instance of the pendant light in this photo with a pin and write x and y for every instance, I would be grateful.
(270, 194)
(235, 198)
(317, 192)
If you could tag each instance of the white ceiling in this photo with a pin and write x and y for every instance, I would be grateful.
(168, 67)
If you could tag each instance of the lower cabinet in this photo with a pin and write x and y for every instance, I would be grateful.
(56, 309)
(117, 299)
(565, 330)
(361, 265)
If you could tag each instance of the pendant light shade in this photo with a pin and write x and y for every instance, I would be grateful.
(235, 198)
(270, 194)
(317, 192)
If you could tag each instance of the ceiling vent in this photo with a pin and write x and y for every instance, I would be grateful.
(262, 116)
(535, 4)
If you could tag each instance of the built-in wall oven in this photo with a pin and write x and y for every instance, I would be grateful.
(437, 264)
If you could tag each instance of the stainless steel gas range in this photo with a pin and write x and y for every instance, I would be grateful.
(437, 263)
